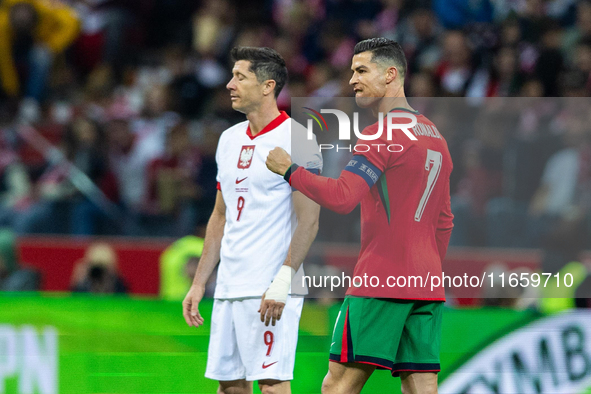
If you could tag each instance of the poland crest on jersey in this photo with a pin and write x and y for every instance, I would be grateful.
(245, 156)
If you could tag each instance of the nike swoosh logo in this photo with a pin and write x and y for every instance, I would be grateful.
(267, 366)
(238, 181)
(332, 343)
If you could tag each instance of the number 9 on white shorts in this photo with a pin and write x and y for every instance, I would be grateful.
(242, 347)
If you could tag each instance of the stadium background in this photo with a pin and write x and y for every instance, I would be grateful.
(110, 114)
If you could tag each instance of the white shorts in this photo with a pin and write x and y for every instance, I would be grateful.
(241, 347)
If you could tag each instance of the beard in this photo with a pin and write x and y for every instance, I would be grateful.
(366, 102)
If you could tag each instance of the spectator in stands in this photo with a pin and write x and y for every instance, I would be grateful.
(482, 177)
(104, 24)
(86, 150)
(533, 20)
(532, 87)
(178, 264)
(156, 119)
(214, 27)
(69, 189)
(15, 185)
(532, 140)
(502, 79)
(550, 61)
(510, 34)
(12, 277)
(388, 18)
(457, 14)
(582, 62)
(423, 85)
(52, 192)
(97, 272)
(558, 213)
(129, 157)
(172, 188)
(206, 178)
(575, 83)
(323, 81)
(32, 33)
(580, 31)
(188, 94)
(418, 36)
(455, 69)
(291, 51)
(561, 200)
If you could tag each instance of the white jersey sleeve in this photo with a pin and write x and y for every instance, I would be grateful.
(304, 148)
(217, 158)
(306, 153)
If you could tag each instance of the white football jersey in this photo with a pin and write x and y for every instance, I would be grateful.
(260, 219)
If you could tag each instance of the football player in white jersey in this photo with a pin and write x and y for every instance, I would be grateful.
(260, 231)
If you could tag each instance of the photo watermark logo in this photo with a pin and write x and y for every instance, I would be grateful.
(392, 122)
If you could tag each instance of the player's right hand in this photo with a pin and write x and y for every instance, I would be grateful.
(278, 161)
(191, 306)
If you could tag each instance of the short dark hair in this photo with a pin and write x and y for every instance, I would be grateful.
(265, 63)
(384, 50)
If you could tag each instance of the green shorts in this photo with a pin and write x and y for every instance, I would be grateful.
(398, 335)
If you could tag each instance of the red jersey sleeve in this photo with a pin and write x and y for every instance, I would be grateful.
(340, 195)
(373, 150)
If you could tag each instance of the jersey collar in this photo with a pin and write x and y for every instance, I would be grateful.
(405, 110)
(283, 116)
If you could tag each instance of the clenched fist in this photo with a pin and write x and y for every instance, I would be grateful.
(278, 161)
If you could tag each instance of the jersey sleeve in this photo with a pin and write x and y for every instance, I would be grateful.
(218, 163)
(340, 195)
(361, 166)
(377, 159)
(304, 151)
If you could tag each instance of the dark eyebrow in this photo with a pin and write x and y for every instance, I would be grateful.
(359, 68)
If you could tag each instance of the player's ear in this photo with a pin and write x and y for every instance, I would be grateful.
(269, 87)
(391, 74)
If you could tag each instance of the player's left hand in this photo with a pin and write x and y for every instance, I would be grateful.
(278, 161)
(270, 310)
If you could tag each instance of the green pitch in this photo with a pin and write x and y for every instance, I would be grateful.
(133, 345)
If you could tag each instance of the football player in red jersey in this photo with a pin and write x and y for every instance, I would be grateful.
(406, 223)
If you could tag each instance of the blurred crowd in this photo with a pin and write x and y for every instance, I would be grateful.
(522, 176)
(110, 110)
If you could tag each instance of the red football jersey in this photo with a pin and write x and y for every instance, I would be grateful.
(406, 218)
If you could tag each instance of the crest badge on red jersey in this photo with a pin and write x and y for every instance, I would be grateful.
(246, 156)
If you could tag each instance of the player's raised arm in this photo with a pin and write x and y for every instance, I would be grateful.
(274, 299)
(340, 195)
(209, 259)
